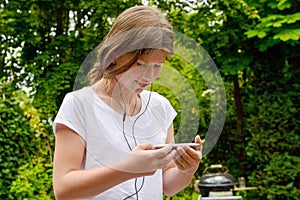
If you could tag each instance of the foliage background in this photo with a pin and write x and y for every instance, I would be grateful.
(254, 43)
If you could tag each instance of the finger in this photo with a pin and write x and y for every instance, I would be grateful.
(167, 159)
(163, 152)
(189, 156)
(145, 146)
(184, 158)
(180, 161)
(172, 155)
(177, 155)
(179, 165)
(193, 154)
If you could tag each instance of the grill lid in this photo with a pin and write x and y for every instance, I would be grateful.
(217, 180)
(221, 178)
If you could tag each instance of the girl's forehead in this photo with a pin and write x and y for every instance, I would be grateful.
(157, 56)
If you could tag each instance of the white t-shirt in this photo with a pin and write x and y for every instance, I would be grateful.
(101, 129)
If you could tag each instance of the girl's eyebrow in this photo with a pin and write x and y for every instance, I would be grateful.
(145, 62)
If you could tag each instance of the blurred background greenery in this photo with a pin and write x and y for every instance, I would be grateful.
(254, 43)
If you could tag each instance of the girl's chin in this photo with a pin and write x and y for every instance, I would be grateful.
(139, 90)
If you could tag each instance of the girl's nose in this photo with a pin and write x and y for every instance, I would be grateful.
(151, 73)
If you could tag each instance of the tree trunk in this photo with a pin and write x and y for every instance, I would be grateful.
(239, 121)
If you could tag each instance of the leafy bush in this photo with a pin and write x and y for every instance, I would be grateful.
(24, 140)
(277, 179)
(188, 193)
(34, 181)
(273, 146)
(16, 136)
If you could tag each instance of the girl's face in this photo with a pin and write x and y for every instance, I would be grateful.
(143, 72)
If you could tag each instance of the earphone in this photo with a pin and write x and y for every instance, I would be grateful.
(137, 190)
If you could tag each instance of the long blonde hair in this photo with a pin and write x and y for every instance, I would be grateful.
(137, 30)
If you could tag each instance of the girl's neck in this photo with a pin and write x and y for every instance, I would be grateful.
(117, 97)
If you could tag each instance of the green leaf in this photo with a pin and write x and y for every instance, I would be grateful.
(277, 24)
(263, 47)
(251, 33)
(288, 34)
(283, 4)
(262, 34)
(293, 18)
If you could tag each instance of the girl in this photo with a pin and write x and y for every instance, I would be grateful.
(105, 132)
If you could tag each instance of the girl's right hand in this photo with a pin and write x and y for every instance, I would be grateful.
(143, 159)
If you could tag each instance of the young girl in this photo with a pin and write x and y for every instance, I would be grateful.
(105, 132)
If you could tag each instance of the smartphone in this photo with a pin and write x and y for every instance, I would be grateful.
(174, 146)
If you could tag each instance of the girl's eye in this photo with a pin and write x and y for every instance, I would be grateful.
(148, 65)
(141, 64)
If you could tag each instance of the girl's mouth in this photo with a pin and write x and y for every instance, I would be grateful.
(143, 85)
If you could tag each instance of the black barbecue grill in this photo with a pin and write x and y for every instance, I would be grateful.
(217, 185)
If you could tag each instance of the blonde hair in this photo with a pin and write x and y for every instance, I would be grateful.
(138, 30)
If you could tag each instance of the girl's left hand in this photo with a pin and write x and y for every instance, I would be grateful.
(190, 158)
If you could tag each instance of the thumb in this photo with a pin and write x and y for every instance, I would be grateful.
(197, 139)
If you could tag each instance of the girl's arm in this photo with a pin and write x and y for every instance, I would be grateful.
(71, 182)
(178, 174)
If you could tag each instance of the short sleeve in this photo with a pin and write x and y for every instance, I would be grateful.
(170, 113)
(70, 115)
